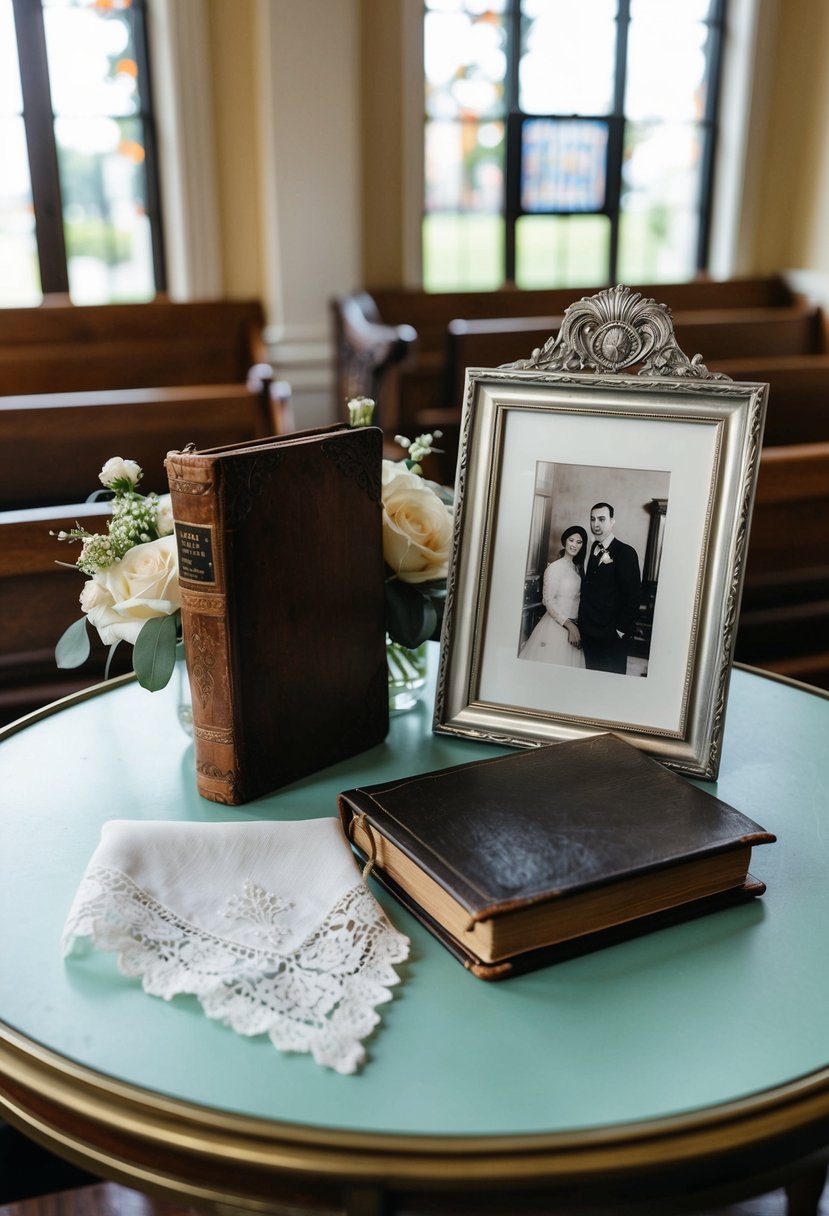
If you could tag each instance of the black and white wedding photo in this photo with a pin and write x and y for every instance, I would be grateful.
(593, 557)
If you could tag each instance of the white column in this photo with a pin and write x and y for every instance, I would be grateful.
(309, 73)
(184, 115)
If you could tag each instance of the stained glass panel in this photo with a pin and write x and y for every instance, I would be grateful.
(464, 166)
(465, 62)
(563, 165)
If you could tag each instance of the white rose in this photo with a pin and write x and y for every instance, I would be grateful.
(417, 526)
(142, 585)
(117, 469)
(164, 515)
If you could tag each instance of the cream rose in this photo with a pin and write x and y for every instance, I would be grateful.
(142, 585)
(417, 526)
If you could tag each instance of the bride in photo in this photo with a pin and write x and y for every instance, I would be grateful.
(556, 638)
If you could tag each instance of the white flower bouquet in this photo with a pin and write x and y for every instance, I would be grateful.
(132, 590)
(417, 537)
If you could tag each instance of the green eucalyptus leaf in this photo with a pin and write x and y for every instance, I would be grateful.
(154, 653)
(73, 645)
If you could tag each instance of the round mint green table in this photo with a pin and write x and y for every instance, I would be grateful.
(688, 1063)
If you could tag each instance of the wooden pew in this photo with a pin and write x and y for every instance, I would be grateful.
(52, 446)
(38, 601)
(798, 409)
(391, 343)
(716, 334)
(784, 618)
(430, 312)
(61, 347)
(74, 380)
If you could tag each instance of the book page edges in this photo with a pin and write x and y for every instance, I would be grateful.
(554, 919)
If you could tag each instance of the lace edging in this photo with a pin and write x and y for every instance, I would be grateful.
(319, 998)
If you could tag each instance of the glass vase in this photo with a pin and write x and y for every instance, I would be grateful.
(184, 701)
(407, 675)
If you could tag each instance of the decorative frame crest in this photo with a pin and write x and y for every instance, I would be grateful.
(542, 439)
(613, 330)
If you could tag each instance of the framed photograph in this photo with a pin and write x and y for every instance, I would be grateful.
(601, 525)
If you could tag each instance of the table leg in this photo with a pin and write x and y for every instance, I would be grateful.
(803, 1194)
(367, 1201)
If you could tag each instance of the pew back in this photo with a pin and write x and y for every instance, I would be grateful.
(60, 347)
(798, 409)
(38, 601)
(784, 619)
(391, 343)
(52, 446)
(715, 334)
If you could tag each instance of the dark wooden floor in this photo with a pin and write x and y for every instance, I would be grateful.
(101, 1199)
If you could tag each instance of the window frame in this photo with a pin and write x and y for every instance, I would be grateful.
(514, 118)
(39, 125)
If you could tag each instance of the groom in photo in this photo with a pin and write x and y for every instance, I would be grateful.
(609, 595)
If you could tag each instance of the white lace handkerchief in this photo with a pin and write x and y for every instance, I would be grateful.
(270, 925)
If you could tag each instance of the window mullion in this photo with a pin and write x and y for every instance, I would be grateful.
(709, 126)
(151, 161)
(38, 120)
(616, 137)
(512, 175)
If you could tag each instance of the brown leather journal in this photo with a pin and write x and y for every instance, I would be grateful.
(508, 860)
(282, 587)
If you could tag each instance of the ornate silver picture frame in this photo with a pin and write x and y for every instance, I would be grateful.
(568, 479)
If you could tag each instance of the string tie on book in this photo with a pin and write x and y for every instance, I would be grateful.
(372, 857)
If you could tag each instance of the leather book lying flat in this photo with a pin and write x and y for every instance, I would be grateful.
(283, 605)
(532, 856)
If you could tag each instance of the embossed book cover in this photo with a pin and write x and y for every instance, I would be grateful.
(516, 861)
(281, 572)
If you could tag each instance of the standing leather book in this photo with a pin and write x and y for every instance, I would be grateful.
(282, 588)
(517, 861)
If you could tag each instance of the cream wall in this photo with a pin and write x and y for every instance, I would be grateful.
(792, 224)
(234, 72)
